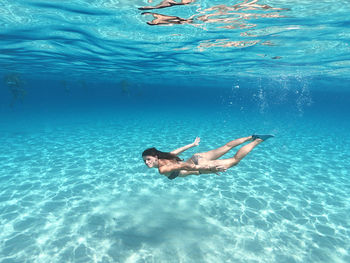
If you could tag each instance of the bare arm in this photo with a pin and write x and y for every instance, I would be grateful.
(191, 168)
(186, 147)
(176, 167)
(184, 173)
(203, 170)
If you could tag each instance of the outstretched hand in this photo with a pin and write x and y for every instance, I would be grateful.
(216, 168)
(196, 141)
(219, 168)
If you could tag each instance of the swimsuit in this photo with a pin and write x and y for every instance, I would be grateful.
(173, 175)
(194, 159)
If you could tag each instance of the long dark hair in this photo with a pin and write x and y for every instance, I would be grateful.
(161, 155)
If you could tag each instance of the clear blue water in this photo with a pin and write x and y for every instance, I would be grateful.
(88, 85)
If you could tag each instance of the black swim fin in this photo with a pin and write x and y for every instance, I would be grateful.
(262, 137)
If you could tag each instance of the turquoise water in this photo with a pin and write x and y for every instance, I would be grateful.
(88, 85)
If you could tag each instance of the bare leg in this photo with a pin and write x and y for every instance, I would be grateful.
(217, 153)
(246, 149)
(227, 163)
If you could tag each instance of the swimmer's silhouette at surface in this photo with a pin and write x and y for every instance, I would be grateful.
(159, 19)
(170, 165)
(167, 3)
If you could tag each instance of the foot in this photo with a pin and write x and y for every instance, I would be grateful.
(262, 137)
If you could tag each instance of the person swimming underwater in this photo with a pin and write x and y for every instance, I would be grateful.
(170, 165)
